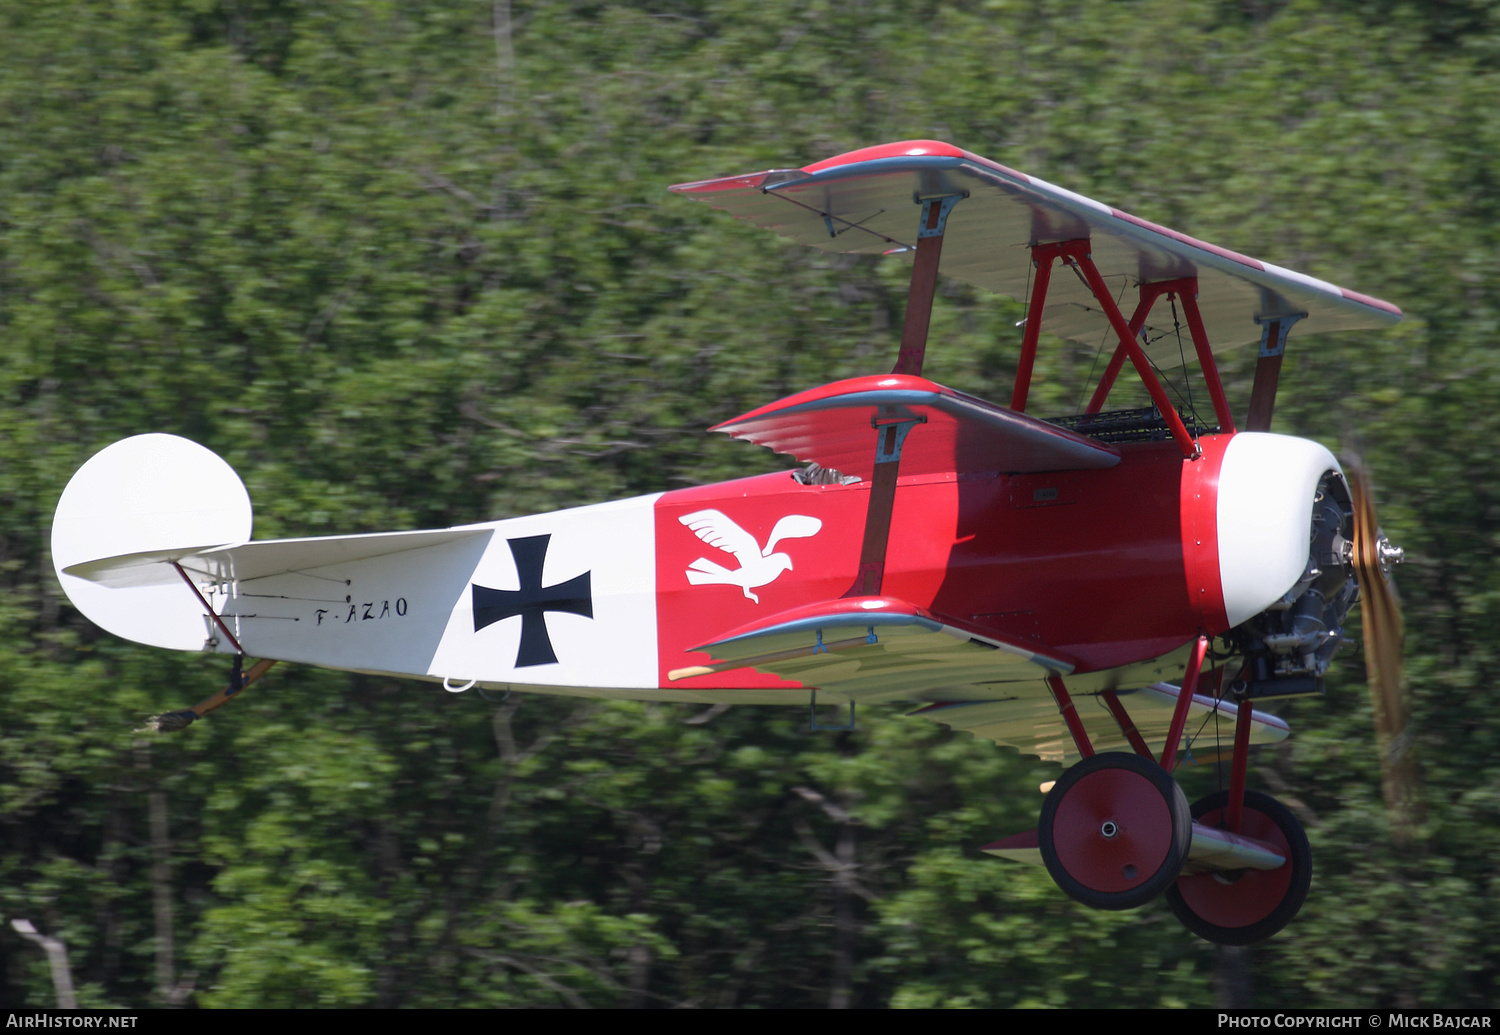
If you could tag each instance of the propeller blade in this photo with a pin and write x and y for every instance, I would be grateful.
(1390, 694)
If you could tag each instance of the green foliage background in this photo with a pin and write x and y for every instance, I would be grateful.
(406, 265)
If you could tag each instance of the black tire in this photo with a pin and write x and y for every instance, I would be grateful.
(1247, 906)
(1114, 831)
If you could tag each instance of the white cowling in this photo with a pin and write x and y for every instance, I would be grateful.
(1267, 485)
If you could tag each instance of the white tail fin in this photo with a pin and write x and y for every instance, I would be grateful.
(150, 493)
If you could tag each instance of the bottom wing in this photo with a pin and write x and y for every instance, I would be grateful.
(1027, 719)
(871, 648)
(868, 649)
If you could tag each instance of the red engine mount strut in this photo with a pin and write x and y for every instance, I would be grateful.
(1149, 294)
(1185, 289)
(1075, 253)
(1206, 358)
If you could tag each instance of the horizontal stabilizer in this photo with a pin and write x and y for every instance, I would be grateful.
(261, 559)
(833, 425)
(1029, 721)
(862, 648)
(146, 506)
(863, 202)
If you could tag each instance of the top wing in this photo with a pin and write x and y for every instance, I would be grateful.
(862, 202)
(959, 433)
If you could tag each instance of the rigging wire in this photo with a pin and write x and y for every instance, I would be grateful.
(1162, 377)
(1078, 407)
(1182, 355)
(1220, 686)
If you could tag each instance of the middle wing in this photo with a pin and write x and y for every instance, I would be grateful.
(959, 434)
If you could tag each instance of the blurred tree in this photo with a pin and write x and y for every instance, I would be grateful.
(409, 266)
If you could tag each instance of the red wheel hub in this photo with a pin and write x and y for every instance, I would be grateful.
(1112, 831)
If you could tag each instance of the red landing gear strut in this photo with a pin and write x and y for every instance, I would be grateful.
(1116, 831)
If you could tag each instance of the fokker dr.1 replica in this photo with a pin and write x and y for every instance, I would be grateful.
(1089, 589)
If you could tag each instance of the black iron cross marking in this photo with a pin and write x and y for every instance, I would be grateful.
(532, 601)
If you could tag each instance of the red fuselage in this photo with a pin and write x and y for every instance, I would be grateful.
(1101, 568)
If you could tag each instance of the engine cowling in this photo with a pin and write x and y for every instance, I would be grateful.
(1283, 521)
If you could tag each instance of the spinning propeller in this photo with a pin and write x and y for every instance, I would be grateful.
(1372, 559)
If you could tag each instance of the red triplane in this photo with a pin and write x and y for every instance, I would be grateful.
(1058, 586)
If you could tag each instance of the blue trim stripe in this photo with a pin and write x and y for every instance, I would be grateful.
(874, 167)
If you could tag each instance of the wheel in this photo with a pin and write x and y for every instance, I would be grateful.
(1246, 906)
(1114, 831)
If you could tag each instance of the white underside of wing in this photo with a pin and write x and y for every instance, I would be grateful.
(248, 561)
(871, 649)
(1027, 719)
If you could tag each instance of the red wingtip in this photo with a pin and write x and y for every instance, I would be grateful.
(1373, 303)
(900, 149)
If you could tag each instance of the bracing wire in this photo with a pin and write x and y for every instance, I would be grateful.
(1078, 408)
(1182, 355)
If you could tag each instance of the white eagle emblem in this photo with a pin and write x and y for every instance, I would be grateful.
(758, 567)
